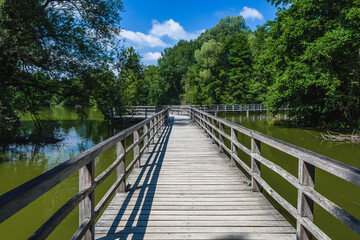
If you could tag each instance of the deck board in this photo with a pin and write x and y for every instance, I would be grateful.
(186, 189)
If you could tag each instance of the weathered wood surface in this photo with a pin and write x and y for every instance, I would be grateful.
(186, 189)
(308, 161)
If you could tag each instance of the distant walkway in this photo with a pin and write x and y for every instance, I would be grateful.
(186, 189)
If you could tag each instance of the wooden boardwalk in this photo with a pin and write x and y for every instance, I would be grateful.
(186, 189)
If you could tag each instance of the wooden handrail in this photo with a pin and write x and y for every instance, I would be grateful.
(305, 184)
(16, 199)
(181, 109)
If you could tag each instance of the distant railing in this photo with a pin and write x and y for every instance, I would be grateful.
(231, 108)
(20, 197)
(305, 183)
(146, 111)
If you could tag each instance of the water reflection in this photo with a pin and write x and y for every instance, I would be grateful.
(342, 193)
(20, 163)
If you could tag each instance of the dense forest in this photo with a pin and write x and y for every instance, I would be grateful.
(69, 53)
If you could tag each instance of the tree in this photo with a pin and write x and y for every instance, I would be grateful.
(263, 68)
(57, 39)
(315, 48)
(211, 58)
(224, 28)
(173, 66)
(237, 70)
(132, 78)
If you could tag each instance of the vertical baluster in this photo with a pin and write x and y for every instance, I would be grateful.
(158, 125)
(234, 152)
(152, 131)
(221, 137)
(213, 123)
(86, 206)
(306, 177)
(146, 139)
(207, 126)
(255, 164)
(121, 169)
(136, 149)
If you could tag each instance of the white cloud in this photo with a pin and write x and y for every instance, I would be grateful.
(143, 40)
(152, 56)
(173, 30)
(251, 13)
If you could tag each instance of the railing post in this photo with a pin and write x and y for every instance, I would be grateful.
(158, 126)
(146, 139)
(136, 149)
(305, 206)
(86, 206)
(234, 137)
(207, 125)
(145, 112)
(121, 169)
(255, 164)
(152, 131)
(162, 122)
(213, 130)
(221, 137)
(132, 112)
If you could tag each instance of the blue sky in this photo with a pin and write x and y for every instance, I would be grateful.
(151, 26)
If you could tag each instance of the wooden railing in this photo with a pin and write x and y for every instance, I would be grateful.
(305, 183)
(18, 198)
(145, 111)
(231, 107)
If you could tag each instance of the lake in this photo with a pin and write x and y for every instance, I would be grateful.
(20, 163)
(344, 194)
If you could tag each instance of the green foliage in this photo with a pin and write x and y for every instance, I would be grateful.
(315, 50)
(238, 70)
(173, 66)
(226, 27)
(46, 45)
(9, 121)
(68, 52)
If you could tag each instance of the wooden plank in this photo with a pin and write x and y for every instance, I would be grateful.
(306, 173)
(16, 199)
(198, 236)
(153, 217)
(178, 190)
(255, 164)
(121, 169)
(87, 205)
(190, 229)
(136, 149)
(339, 169)
(215, 223)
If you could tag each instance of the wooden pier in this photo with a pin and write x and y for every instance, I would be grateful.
(186, 189)
(184, 182)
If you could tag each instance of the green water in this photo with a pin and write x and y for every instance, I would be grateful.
(21, 163)
(342, 193)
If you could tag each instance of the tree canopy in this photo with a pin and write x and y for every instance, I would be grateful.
(45, 43)
(69, 52)
(308, 59)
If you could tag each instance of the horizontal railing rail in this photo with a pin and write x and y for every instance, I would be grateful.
(182, 109)
(304, 183)
(18, 198)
